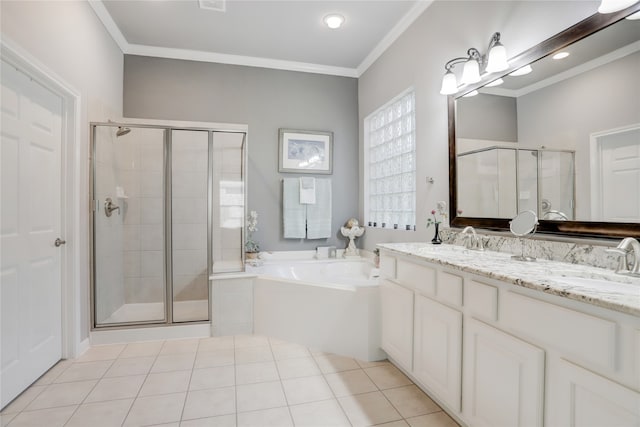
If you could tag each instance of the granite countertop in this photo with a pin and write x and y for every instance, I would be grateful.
(592, 285)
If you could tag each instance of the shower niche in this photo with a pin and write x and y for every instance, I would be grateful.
(500, 182)
(168, 211)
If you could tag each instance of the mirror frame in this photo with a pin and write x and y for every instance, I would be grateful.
(572, 34)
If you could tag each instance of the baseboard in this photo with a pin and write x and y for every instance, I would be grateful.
(118, 336)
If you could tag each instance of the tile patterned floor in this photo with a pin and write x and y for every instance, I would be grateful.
(222, 381)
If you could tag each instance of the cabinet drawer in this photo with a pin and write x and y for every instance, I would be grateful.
(449, 288)
(418, 277)
(481, 299)
(388, 266)
(580, 336)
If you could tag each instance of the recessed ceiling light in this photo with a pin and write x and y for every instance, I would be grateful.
(561, 55)
(496, 82)
(334, 21)
(522, 71)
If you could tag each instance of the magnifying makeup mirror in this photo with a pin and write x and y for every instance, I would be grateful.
(524, 225)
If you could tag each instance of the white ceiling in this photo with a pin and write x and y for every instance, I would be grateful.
(287, 34)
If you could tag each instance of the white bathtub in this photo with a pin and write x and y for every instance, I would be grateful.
(330, 305)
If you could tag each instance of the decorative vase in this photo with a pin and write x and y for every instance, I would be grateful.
(436, 238)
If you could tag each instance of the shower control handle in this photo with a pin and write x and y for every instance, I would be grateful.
(59, 242)
(109, 207)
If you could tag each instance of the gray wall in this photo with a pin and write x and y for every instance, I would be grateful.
(69, 40)
(265, 100)
(487, 117)
(445, 31)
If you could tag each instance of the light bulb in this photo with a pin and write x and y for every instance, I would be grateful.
(449, 84)
(560, 55)
(610, 6)
(471, 72)
(497, 59)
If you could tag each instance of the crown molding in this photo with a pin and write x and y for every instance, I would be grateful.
(402, 25)
(567, 74)
(248, 61)
(252, 61)
(109, 24)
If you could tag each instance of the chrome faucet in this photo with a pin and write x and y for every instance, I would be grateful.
(627, 246)
(471, 239)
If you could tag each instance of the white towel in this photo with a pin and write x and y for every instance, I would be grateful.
(307, 190)
(319, 215)
(293, 212)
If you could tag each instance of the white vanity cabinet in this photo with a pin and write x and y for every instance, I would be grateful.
(397, 327)
(437, 349)
(503, 378)
(427, 322)
(579, 397)
(495, 354)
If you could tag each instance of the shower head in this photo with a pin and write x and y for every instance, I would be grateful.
(122, 131)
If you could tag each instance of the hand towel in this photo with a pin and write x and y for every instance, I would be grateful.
(307, 190)
(293, 213)
(319, 214)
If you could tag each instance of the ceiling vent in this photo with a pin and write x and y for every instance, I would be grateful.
(216, 5)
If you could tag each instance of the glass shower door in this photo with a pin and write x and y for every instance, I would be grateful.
(128, 242)
(189, 224)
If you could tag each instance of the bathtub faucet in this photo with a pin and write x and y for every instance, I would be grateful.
(323, 252)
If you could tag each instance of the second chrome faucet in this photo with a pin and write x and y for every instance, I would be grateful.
(627, 246)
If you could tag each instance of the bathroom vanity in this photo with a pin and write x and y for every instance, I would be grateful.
(498, 342)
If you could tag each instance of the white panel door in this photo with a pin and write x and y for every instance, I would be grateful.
(30, 266)
(503, 378)
(620, 166)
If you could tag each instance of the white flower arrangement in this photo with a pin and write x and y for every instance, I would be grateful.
(252, 246)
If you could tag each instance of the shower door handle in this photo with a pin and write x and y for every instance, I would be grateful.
(59, 242)
(109, 207)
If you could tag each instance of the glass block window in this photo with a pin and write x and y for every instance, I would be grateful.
(390, 164)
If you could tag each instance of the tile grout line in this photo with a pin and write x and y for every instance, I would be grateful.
(186, 394)
(142, 385)
(275, 362)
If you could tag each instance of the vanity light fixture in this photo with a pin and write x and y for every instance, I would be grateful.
(522, 71)
(561, 55)
(493, 61)
(495, 83)
(334, 21)
(610, 6)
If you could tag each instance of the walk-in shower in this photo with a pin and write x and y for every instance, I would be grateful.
(168, 211)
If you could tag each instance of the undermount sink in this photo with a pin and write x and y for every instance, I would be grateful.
(598, 282)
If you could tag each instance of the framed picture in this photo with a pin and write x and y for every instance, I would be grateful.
(304, 151)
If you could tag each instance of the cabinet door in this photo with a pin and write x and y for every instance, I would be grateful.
(503, 378)
(579, 398)
(437, 351)
(397, 322)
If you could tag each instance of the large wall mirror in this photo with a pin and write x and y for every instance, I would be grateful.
(562, 140)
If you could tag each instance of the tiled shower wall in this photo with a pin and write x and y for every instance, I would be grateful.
(110, 292)
(189, 214)
(139, 165)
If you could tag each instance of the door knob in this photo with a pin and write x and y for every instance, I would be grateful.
(59, 242)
